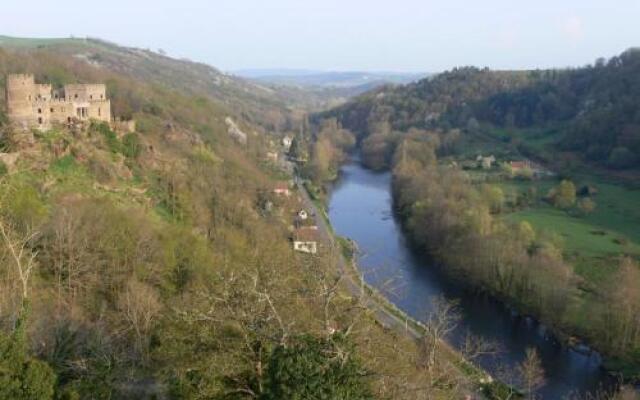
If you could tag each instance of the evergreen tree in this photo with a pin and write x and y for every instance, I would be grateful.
(21, 376)
(315, 368)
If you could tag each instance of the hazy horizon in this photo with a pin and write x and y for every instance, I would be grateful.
(409, 36)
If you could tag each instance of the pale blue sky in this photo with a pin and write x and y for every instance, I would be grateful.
(393, 35)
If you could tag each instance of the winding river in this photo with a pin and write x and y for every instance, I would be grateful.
(360, 208)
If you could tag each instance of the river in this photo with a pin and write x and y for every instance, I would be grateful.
(360, 207)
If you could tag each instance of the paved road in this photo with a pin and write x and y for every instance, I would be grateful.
(379, 307)
(355, 287)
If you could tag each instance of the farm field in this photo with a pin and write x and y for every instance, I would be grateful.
(591, 242)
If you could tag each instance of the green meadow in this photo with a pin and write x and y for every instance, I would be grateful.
(591, 242)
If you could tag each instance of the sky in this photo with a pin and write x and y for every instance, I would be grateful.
(342, 35)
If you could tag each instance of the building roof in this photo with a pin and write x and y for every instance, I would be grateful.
(306, 234)
(520, 164)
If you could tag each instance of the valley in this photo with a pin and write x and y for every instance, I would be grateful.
(172, 231)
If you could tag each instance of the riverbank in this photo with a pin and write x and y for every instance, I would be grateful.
(360, 208)
(386, 312)
(513, 263)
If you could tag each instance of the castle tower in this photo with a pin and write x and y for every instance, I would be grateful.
(20, 94)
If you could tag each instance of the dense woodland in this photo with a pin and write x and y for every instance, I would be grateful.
(596, 106)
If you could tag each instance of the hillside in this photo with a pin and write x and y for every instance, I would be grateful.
(591, 112)
(158, 263)
(258, 103)
(522, 185)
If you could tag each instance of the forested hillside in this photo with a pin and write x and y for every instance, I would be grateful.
(523, 185)
(592, 110)
(158, 263)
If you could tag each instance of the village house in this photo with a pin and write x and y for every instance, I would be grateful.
(302, 214)
(282, 188)
(286, 142)
(38, 106)
(305, 239)
(517, 166)
(486, 162)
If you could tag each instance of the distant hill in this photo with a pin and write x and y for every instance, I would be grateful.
(319, 90)
(310, 78)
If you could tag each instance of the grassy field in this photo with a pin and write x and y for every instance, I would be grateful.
(32, 42)
(591, 242)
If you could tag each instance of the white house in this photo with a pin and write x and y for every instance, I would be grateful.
(302, 214)
(286, 142)
(486, 162)
(305, 239)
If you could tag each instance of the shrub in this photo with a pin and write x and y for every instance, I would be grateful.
(23, 377)
(313, 369)
(110, 136)
(131, 147)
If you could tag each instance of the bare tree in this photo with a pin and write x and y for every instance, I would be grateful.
(23, 258)
(442, 320)
(140, 305)
(475, 347)
(531, 372)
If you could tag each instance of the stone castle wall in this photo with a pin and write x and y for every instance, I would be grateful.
(31, 105)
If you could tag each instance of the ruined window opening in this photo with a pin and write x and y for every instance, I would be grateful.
(39, 110)
(76, 95)
(101, 96)
(99, 113)
(91, 97)
(69, 119)
(51, 109)
(40, 120)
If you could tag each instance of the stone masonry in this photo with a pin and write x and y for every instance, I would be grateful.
(32, 105)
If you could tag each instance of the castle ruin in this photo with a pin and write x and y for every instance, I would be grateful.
(32, 105)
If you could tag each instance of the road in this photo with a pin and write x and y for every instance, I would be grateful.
(385, 313)
(379, 307)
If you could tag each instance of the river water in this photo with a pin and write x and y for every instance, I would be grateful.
(360, 208)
